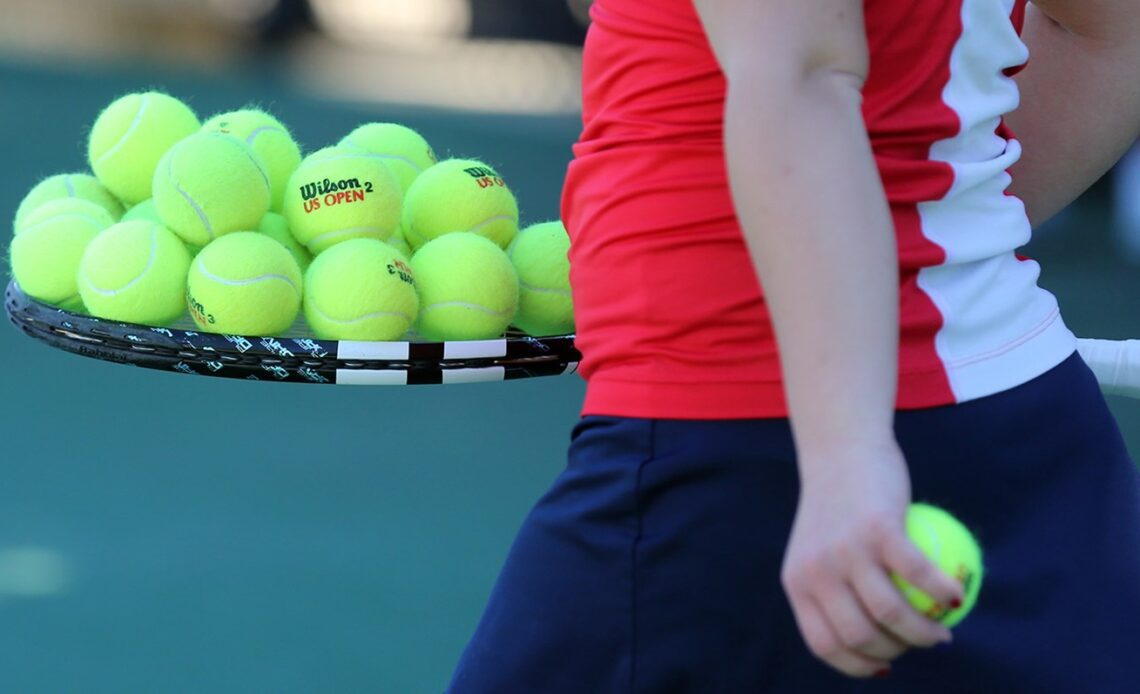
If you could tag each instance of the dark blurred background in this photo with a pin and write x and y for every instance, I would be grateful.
(160, 533)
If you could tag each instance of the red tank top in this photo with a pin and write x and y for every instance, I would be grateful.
(670, 316)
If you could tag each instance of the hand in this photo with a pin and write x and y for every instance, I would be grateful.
(848, 537)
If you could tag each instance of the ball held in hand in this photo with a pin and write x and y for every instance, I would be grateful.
(953, 549)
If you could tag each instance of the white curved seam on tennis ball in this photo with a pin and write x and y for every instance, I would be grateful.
(365, 152)
(350, 143)
(135, 280)
(130, 131)
(248, 152)
(489, 220)
(469, 305)
(77, 215)
(242, 282)
(344, 232)
(261, 129)
(69, 186)
(543, 290)
(191, 201)
(358, 319)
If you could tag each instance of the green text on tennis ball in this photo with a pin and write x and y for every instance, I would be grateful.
(276, 227)
(460, 195)
(404, 150)
(468, 288)
(69, 185)
(48, 245)
(269, 138)
(953, 549)
(131, 135)
(209, 185)
(337, 194)
(244, 284)
(362, 289)
(539, 256)
(135, 272)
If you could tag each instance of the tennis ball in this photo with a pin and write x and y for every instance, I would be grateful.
(135, 272)
(397, 241)
(468, 288)
(208, 185)
(404, 150)
(361, 289)
(539, 256)
(131, 135)
(244, 284)
(953, 549)
(275, 227)
(460, 195)
(338, 194)
(269, 138)
(145, 210)
(48, 246)
(69, 185)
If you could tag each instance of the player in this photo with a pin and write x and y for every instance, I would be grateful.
(733, 505)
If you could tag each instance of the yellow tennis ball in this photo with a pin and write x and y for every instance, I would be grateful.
(539, 256)
(361, 289)
(131, 135)
(269, 138)
(338, 194)
(145, 210)
(398, 242)
(460, 195)
(48, 246)
(404, 150)
(244, 284)
(209, 185)
(70, 185)
(135, 272)
(953, 549)
(468, 288)
(276, 227)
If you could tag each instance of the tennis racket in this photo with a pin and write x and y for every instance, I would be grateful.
(293, 359)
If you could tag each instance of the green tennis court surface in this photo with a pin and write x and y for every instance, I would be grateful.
(161, 533)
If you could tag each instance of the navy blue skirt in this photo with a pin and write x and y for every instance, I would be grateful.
(652, 565)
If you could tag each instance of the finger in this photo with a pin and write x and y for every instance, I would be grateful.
(857, 629)
(905, 559)
(881, 598)
(823, 641)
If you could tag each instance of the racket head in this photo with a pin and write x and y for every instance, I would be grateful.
(297, 359)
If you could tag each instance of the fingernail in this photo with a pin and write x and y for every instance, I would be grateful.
(883, 674)
(955, 604)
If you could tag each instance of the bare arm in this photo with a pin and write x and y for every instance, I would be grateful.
(793, 128)
(1080, 98)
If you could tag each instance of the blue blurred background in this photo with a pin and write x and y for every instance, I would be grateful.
(160, 533)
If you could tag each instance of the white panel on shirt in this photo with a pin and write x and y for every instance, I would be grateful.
(999, 328)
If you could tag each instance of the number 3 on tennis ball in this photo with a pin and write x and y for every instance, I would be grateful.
(953, 549)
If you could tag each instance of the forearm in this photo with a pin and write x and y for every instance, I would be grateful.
(814, 215)
(1080, 99)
